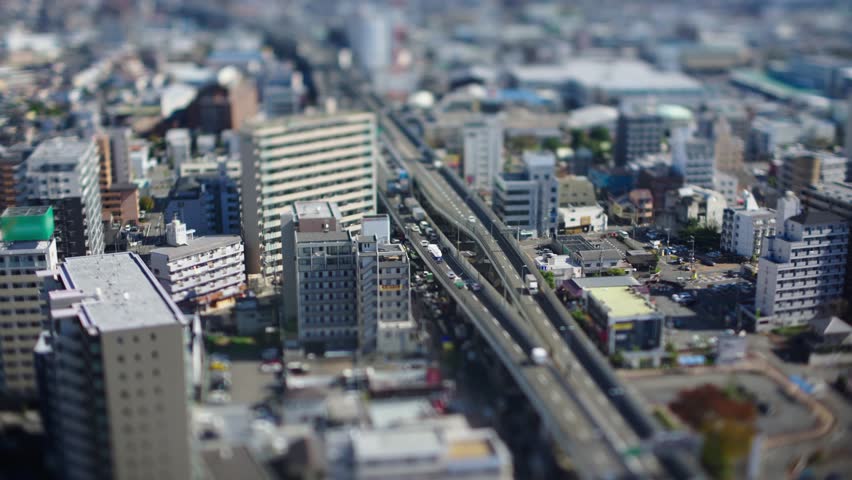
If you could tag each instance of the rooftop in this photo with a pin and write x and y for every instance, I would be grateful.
(59, 151)
(27, 223)
(196, 246)
(309, 210)
(333, 236)
(621, 301)
(123, 293)
(24, 247)
(624, 75)
(838, 191)
(601, 282)
(816, 217)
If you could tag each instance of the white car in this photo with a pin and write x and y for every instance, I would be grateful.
(451, 275)
(424, 243)
(218, 397)
(415, 229)
(471, 219)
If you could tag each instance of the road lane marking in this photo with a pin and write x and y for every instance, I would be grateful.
(569, 415)
(554, 396)
(587, 381)
(541, 377)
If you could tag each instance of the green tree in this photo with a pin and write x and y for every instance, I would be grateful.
(551, 144)
(549, 278)
(600, 134)
(725, 442)
(616, 272)
(146, 203)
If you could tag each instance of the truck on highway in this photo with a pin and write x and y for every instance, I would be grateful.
(435, 252)
(531, 283)
(418, 213)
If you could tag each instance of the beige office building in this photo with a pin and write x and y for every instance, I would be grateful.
(303, 158)
(112, 372)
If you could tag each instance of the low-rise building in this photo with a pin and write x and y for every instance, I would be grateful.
(802, 168)
(635, 207)
(707, 207)
(442, 447)
(743, 229)
(26, 247)
(592, 259)
(564, 268)
(583, 219)
(626, 322)
(121, 203)
(200, 273)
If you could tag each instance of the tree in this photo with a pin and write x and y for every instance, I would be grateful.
(600, 134)
(549, 277)
(616, 272)
(726, 440)
(551, 144)
(146, 203)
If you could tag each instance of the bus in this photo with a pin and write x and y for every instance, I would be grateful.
(435, 251)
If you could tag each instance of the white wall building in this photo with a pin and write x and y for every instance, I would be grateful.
(802, 269)
(743, 230)
(529, 200)
(178, 146)
(112, 372)
(303, 158)
(483, 152)
(582, 219)
(140, 158)
(201, 272)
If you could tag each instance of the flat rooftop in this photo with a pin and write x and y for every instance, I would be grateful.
(125, 294)
(309, 210)
(26, 211)
(24, 247)
(333, 236)
(617, 74)
(59, 151)
(196, 246)
(621, 301)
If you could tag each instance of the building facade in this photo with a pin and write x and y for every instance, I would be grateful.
(208, 203)
(802, 168)
(743, 230)
(627, 323)
(178, 146)
(200, 273)
(529, 200)
(63, 172)
(319, 277)
(802, 269)
(119, 148)
(639, 131)
(384, 298)
(26, 247)
(303, 158)
(483, 152)
(112, 372)
(693, 159)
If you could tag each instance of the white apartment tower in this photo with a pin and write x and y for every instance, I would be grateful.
(178, 147)
(483, 152)
(743, 230)
(112, 372)
(802, 268)
(329, 158)
(27, 246)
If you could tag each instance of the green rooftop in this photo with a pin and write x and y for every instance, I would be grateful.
(621, 301)
(27, 224)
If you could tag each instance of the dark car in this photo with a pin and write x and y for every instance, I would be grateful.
(708, 262)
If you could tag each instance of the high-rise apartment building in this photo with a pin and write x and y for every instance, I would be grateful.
(178, 147)
(281, 90)
(319, 275)
(199, 273)
(639, 131)
(112, 372)
(483, 152)
(328, 158)
(12, 169)
(384, 296)
(529, 200)
(63, 172)
(692, 159)
(119, 201)
(26, 247)
(119, 147)
(802, 268)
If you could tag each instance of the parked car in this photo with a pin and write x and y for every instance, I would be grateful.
(424, 243)
(708, 262)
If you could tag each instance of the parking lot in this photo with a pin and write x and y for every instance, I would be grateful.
(784, 415)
